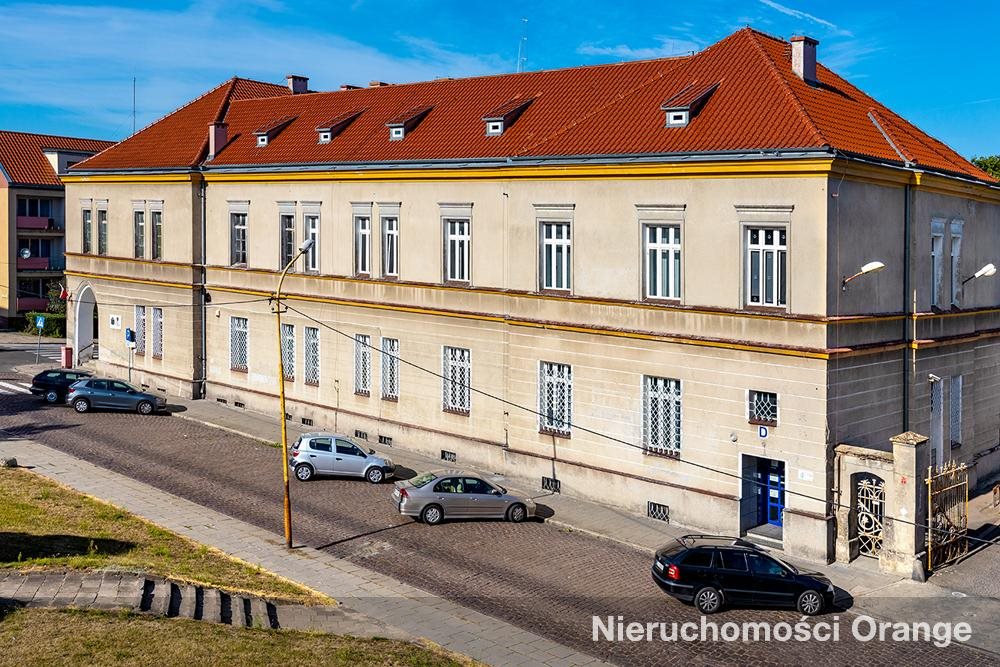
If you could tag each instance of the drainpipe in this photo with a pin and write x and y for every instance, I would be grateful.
(203, 293)
(909, 308)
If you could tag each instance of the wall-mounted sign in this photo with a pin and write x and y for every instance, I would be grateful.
(115, 322)
(762, 432)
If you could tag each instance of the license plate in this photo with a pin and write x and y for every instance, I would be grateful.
(658, 565)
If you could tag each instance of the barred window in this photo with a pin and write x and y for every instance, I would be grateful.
(88, 245)
(362, 365)
(661, 415)
(763, 408)
(390, 368)
(555, 398)
(156, 218)
(311, 355)
(457, 372)
(139, 232)
(238, 343)
(102, 231)
(140, 330)
(157, 333)
(288, 351)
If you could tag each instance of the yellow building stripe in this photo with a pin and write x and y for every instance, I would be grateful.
(123, 279)
(185, 177)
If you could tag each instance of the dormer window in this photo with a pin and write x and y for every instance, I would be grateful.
(261, 140)
(331, 128)
(271, 130)
(324, 137)
(501, 118)
(677, 118)
(396, 133)
(684, 105)
(404, 123)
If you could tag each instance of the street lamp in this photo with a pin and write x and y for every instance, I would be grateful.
(984, 272)
(870, 267)
(303, 249)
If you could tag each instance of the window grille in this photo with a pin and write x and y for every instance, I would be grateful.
(157, 333)
(362, 364)
(956, 411)
(239, 354)
(556, 260)
(661, 415)
(763, 408)
(311, 354)
(663, 261)
(457, 372)
(555, 398)
(140, 330)
(288, 351)
(767, 256)
(658, 511)
(390, 368)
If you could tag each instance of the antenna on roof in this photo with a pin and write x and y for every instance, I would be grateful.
(133, 105)
(522, 46)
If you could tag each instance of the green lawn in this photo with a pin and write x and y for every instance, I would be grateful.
(31, 637)
(44, 525)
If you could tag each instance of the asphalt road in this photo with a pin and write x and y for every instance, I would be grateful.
(534, 575)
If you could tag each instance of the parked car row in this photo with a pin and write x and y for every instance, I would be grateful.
(85, 392)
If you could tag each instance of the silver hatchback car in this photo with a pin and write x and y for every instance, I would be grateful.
(457, 494)
(331, 454)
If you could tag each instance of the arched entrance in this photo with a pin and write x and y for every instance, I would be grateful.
(85, 330)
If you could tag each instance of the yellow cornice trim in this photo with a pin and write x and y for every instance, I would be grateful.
(139, 281)
(131, 178)
(115, 258)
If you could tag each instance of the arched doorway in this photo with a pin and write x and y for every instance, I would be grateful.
(85, 329)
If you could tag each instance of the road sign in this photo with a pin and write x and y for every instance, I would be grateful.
(129, 338)
(762, 432)
(39, 321)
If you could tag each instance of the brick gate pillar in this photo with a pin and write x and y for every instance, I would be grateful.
(905, 505)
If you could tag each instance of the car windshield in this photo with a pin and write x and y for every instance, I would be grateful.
(423, 480)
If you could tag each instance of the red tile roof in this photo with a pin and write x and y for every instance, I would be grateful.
(180, 139)
(759, 105)
(23, 161)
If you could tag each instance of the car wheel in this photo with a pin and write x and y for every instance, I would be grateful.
(810, 603)
(432, 515)
(708, 600)
(517, 513)
(81, 405)
(144, 408)
(375, 475)
(303, 472)
(51, 396)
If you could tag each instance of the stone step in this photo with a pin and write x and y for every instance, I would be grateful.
(211, 605)
(189, 603)
(258, 610)
(242, 615)
(159, 604)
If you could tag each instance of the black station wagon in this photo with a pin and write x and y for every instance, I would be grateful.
(53, 385)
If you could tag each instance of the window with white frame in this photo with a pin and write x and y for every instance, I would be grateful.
(456, 367)
(762, 408)
(140, 330)
(362, 244)
(286, 242)
(767, 261)
(139, 232)
(555, 398)
(239, 340)
(156, 222)
(661, 415)
(311, 223)
(663, 261)
(362, 364)
(288, 351)
(556, 262)
(390, 246)
(390, 369)
(102, 230)
(937, 261)
(85, 217)
(238, 238)
(310, 355)
(157, 333)
(956, 260)
(457, 249)
(956, 410)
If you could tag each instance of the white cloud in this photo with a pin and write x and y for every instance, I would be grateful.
(668, 46)
(795, 13)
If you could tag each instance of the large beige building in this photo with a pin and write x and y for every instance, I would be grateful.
(627, 280)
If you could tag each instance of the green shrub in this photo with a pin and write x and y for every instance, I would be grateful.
(55, 324)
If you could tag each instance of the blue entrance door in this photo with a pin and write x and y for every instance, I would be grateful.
(772, 474)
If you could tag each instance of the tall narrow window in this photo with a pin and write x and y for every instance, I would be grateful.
(956, 411)
(288, 351)
(238, 239)
(239, 336)
(362, 244)
(457, 249)
(157, 333)
(956, 261)
(390, 369)
(140, 330)
(362, 365)
(390, 246)
(663, 261)
(102, 231)
(556, 260)
(311, 224)
(286, 223)
(88, 244)
(937, 261)
(311, 355)
(156, 220)
(766, 266)
(456, 367)
(139, 232)
(937, 423)
(661, 415)
(555, 398)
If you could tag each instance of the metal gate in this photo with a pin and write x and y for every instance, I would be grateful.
(871, 510)
(947, 513)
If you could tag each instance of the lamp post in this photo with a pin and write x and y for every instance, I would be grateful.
(870, 267)
(984, 272)
(303, 249)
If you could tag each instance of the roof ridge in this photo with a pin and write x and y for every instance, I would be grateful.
(773, 69)
(56, 136)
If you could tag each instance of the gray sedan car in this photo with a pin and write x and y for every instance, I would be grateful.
(114, 394)
(331, 454)
(457, 494)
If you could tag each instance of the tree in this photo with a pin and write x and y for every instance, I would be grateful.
(988, 163)
(56, 303)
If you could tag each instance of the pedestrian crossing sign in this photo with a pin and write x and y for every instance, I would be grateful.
(39, 321)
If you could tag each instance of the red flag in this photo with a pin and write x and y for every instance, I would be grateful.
(63, 294)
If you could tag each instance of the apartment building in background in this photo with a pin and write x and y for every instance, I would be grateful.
(32, 220)
(644, 260)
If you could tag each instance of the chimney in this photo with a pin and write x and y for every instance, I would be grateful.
(218, 135)
(348, 86)
(297, 84)
(377, 84)
(804, 58)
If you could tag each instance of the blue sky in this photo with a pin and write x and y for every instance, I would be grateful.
(68, 67)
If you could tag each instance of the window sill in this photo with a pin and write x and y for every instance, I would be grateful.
(551, 291)
(555, 433)
(457, 283)
(762, 422)
(662, 300)
(289, 379)
(238, 370)
(310, 383)
(456, 411)
(366, 394)
(241, 265)
(771, 310)
(674, 454)
(158, 356)
(391, 399)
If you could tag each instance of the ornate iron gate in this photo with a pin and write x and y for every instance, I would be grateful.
(871, 510)
(947, 513)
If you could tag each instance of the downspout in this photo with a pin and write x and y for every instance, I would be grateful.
(203, 291)
(909, 308)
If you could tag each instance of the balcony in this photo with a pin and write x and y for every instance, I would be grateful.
(26, 303)
(41, 264)
(37, 223)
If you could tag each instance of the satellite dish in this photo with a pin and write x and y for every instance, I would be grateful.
(25, 253)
